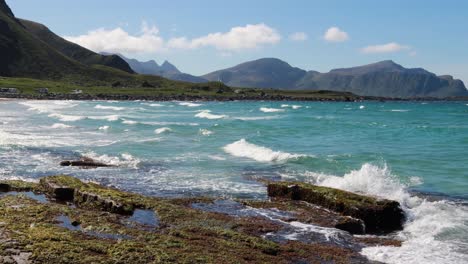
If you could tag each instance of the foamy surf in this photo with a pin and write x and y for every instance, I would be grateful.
(67, 118)
(104, 107)
(190, 104)
(60, 126)
(162, 130)
(125, 159)
(208, 115)
(244, 149)
(435, 231)
(271, 110)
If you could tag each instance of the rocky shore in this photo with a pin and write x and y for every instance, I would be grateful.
(61, 219)
(345, 97)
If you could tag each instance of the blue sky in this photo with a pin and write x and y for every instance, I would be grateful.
(202, 36)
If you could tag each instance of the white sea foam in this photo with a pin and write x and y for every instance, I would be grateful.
(152, 104)
(129, 122)
(399, 110)
(105, 107)
(244, 149)
(125, 159)
(60, 126)
(291, 106)
(253, 118)
(362, 107)
(205, 132)
(47, 106)
(189, 104)
(162, 130)
(208, 115)
(104, 127)
(271, 110)
(67, 118)
(108, 117)
(435, 232)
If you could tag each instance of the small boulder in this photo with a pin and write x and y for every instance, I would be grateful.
(352, 225)
(84, 162)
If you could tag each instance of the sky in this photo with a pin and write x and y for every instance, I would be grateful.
(206, 35)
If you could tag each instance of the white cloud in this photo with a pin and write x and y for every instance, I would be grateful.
(298, 36)
(335, 34)
(119, 41)
(149, 40)
(385, 48)
(236, 39)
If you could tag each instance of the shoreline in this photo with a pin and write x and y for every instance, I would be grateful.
(121, 97)
(62, 219)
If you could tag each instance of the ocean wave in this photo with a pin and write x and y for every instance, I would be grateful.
(67, 118)
(435, 231)
(104, 128)
(153, 104)
(271, 110)
(291, 106)
(362, 107)
(244, 149)
(104, 107)
(129, 122)
(107, 117)
(60, 126)
(125, 159)
(253, 118)
(47, 106)
(189, 104)
(208, 115)
(205, 132)
(162, 130)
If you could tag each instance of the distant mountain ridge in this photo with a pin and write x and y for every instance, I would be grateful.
(385, 78)
(151, 67)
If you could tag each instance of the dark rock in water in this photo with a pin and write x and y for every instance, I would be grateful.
(378, 215)
(85, 163)
(352, 225)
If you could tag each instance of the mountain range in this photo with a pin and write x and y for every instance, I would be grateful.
(29, 49)
(151, 67)
(385, 78)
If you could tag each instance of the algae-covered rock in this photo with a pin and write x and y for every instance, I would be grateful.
(16, 186)
(352, 225)
(378, 215)
(67, 188)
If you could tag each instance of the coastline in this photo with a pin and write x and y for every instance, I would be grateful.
(61, 217)
(182, 97)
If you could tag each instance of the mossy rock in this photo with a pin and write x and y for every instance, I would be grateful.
(378, 215)
(17, 186)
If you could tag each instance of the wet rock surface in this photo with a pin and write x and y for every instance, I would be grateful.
(378, 215)
(84, 162)
(37, 228)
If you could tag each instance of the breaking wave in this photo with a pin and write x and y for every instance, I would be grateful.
(435, 231)
(271, 110)
(244, 149)
(208, 115)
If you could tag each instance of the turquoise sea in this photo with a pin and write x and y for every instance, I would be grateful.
(413, 152)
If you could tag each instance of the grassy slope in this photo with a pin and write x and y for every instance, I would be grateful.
(73, 50)
(165, 88)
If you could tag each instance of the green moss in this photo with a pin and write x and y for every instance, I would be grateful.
(17, 185)
(185, 235)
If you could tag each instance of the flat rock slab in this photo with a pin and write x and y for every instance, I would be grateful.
(66, 188)
(378, 215)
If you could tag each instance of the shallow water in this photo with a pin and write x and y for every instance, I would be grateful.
(391, 149)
